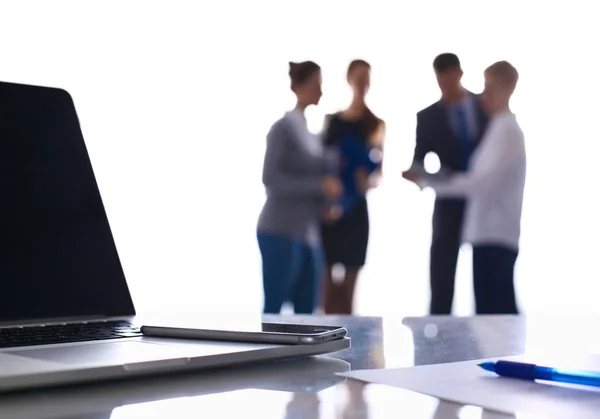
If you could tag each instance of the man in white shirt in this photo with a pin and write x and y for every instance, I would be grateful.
(494, 185)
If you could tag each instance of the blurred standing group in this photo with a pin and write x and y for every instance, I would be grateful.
(315, 216)
(479, 191)
(315, 222)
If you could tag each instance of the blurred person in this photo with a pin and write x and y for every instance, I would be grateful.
(303, 405)
(356, 406)
(494, 185)
(296, 185)
(357, 135)
(452, 129)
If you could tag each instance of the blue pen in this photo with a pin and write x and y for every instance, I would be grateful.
(535, 372)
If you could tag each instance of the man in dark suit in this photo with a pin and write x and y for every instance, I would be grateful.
(452, 129)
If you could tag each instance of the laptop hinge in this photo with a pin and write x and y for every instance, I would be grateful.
(60, 320)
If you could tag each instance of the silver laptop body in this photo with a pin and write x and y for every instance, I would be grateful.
(124, 398)
(66, 313)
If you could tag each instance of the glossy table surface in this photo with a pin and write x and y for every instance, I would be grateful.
(310, 388)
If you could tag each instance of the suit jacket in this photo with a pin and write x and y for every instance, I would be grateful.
(435, 134)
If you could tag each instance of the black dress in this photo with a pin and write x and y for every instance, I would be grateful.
(345, 240)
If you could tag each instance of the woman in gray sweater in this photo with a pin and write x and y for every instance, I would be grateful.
(297, 189)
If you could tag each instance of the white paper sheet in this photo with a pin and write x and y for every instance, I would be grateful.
(466, 383)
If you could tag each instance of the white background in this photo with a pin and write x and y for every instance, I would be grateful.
(175, 98)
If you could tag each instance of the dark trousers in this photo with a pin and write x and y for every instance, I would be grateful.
(445, 243)
(493, 279)
(292, 271)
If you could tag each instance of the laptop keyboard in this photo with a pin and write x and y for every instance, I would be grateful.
(13, 337)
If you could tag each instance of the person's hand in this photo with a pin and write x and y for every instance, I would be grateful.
(361, 179)
(332, 187)
(332, 214)
(410, 176)
(375, 179)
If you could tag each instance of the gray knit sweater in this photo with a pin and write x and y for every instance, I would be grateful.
(293, 171)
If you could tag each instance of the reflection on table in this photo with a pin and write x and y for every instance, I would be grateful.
(310, 388)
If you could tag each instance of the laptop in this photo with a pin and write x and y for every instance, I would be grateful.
(66, 313)
(135, 398)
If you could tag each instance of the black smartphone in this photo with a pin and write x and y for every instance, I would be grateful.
(277, 333)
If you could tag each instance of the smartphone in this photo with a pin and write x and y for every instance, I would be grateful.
(277, 333)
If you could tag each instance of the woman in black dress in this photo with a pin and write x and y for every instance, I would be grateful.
(345, 239)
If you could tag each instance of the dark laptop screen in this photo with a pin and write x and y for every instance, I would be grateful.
(57, 254)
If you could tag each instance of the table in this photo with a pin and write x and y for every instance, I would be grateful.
(310, 388)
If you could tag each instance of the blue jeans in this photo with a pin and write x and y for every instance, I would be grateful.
(292, 271)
